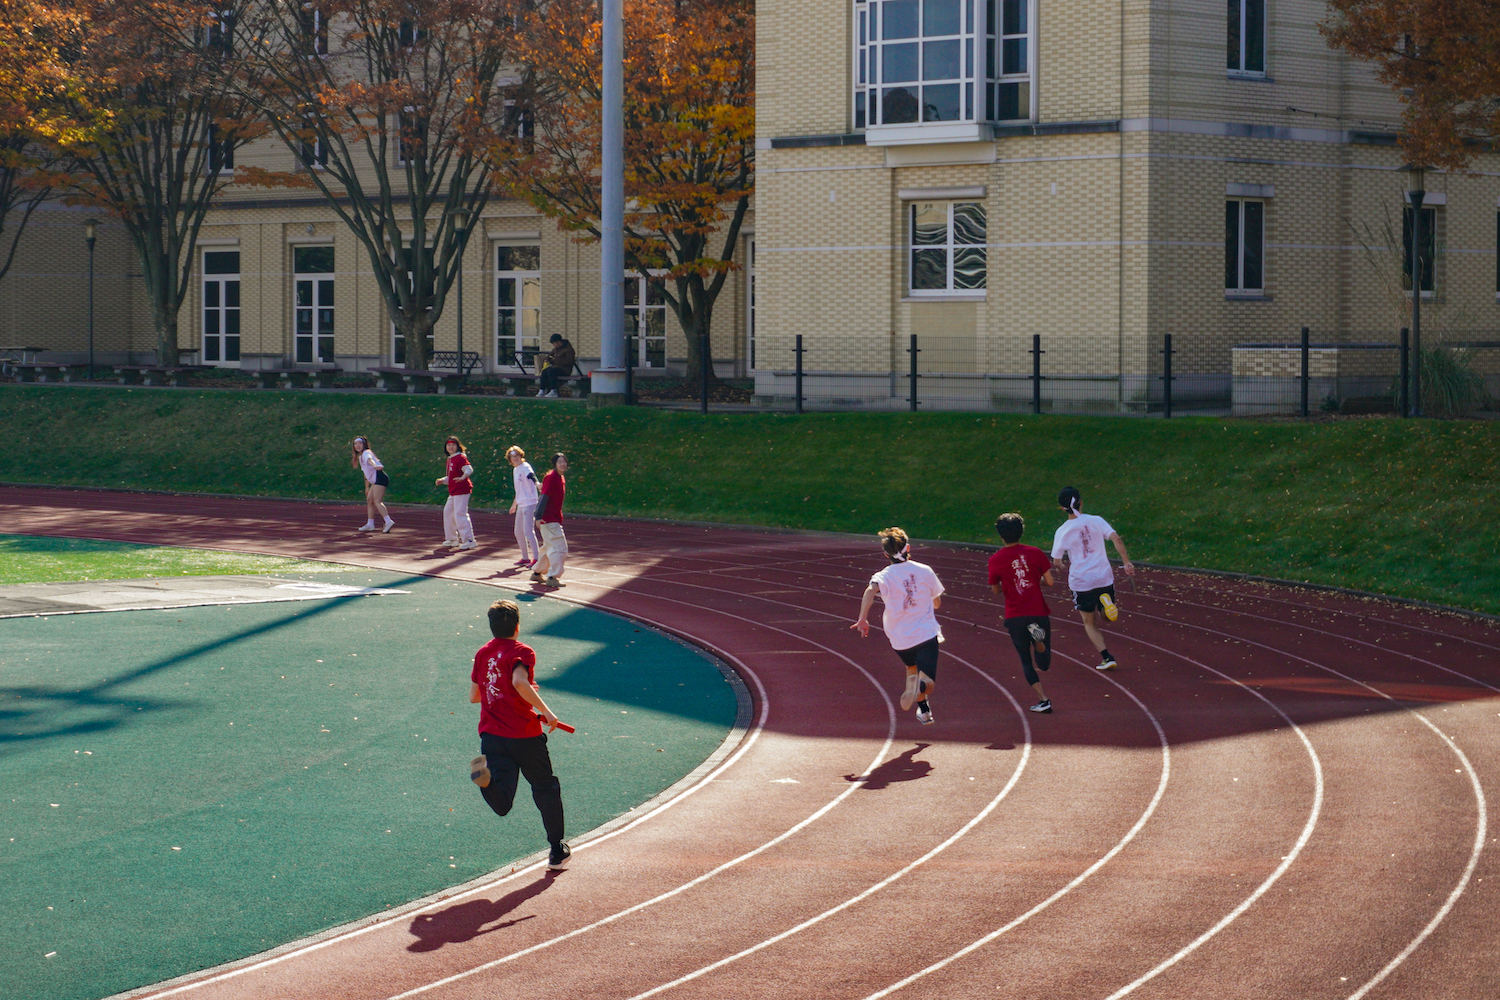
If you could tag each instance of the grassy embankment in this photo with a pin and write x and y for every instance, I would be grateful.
(1405, 508)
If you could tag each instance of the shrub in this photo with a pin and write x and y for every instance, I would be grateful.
(1450, 385)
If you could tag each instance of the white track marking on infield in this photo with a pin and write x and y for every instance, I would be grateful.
(620, 914)
(958, 835)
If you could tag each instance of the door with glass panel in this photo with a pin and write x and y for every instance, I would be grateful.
(518, 303)
(221, 307)
(312, 283)
(646, 318)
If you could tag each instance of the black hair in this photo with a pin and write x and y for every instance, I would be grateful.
(1010, 527)
(505, 619)
(554, 338)
(556, 457)
(1069, 499)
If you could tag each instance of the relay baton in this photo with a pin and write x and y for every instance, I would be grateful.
(561, 725)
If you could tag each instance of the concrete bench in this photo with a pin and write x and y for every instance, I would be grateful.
(158, 374)
(317, 378)
(46, 371)
(414, 380)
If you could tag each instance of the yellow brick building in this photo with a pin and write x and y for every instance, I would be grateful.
(977, 172)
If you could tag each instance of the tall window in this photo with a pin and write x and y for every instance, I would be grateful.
(1010, 94)
(312, 150)
(218, 34)
(518, 302)
(947, 247)
(1244, 245)
(411, 141)
(1247, 36)
(1429, 247)
(314, 30)
(220, 150)
(312, 289)
(221, 306)
(646, 319)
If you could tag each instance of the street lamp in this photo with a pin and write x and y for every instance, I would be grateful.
(460, 217)
(1417, 175)
(90, 228)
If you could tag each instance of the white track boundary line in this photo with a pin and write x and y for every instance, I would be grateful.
(958, 835)
(884, 749)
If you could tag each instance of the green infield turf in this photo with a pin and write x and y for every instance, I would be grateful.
(40, 559)
(191, 786)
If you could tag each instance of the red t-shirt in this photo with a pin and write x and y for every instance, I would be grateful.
(1019, 570)
(456, 486)
(502, 710)
(556, 488)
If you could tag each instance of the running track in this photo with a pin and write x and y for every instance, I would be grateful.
(1280, 794)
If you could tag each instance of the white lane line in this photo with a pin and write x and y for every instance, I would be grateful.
(621, 914)
(1481, 804)
(958, 835)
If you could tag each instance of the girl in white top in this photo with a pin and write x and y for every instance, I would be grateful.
(911, 592)
(376, 482)
(524, 505)
(1090, 577)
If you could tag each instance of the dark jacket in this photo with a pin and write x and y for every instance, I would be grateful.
(562, 356)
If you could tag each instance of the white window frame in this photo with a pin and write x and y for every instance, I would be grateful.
(1430, 233)
(219, 155)
(1242, 19)
(315, 309)
(221, 311)
(950, 247)
(315, 27)
(982, 45)
(402, 116)
(643, 342)
(1240, 288)
(504, 353)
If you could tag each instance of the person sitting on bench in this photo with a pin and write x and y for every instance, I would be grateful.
(558, 362)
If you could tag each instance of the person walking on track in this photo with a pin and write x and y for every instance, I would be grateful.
(1017, 571)
(549, 518)
(911, 592)
(524, 505)
(376, 483)
(511, 741)
(1091, 579)
(458, 529)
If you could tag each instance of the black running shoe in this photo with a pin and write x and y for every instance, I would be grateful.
(1043, 707)
(558, 860)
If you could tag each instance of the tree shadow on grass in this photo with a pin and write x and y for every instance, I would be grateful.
(466, 921)
(46, 712)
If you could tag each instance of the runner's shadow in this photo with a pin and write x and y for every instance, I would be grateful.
(466, 921)
(902, 768)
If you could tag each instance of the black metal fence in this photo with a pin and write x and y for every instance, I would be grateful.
(1306, 374)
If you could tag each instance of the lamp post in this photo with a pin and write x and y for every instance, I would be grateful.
(90, 230)
(461, 220)
(609, 378)
(1417, 194)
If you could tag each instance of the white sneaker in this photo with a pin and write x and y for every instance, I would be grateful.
(541, 392)
(925, 718)
(469, 545)
(552, 394)
(449, 543)
(389, 524)
(368, 527)
(909, 696)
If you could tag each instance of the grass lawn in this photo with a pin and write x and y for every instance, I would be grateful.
(37, 559)
(1400, 507)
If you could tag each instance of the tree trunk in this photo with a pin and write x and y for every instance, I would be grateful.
(166, 333)
(694, 307)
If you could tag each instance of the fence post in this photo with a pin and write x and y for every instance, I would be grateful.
(1304, 371)
(630, 368)
(1405, 394)
(1036, 373)
(912, 350)
(1166, 378)
(798, 351)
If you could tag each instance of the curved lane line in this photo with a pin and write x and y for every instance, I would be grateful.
(958, 835)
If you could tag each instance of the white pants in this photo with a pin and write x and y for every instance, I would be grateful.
(526, 532)
(555, 544)
(456, 523)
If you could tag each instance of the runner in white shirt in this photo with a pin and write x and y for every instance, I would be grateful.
(911, 593)
(524, 506)
(1091, 579)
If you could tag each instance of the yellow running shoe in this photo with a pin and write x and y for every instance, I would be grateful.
(1110, 611)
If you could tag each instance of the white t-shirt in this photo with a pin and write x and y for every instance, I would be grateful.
(907, 589)
(525, 481)
(369, 464)
(1082, 538)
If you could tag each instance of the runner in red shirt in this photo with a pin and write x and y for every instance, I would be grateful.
(1018, 571)
(511, 741)
(549, 521)
(458, 529)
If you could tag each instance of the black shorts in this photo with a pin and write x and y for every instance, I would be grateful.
(924, 657)
(381, 479)
(1088, 600)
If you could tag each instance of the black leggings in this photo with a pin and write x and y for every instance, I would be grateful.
(1021, 639)
(508, 760)
(547, 381)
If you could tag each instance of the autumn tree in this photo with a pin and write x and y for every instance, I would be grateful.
(689, 140)
(1442, 57)
(153, 113)
(391, 105)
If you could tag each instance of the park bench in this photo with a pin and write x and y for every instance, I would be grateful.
(449, 359)
(295, 378)
(13, 354)
(415, 380)
(521, 380)
(48, 371)
(158, 374)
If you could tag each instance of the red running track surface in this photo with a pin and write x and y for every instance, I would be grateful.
(1280, 794)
